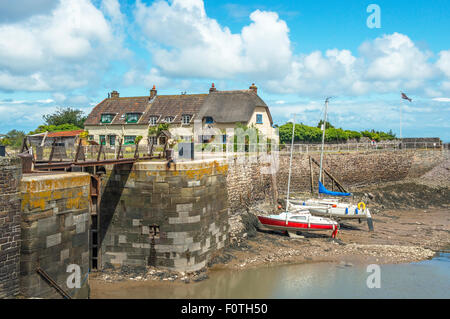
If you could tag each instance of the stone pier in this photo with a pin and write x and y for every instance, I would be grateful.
(173, 217)
(55, 232)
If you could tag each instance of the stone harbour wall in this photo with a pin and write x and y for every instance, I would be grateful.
(187, 204)
(10, 175)
(355, 169)
(248, 185)
(55, 232)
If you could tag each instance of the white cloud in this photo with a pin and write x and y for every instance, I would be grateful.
(112, 9)
(442, 99)
(444, 62)
(185, 42)
(395, 56)
(64, 49)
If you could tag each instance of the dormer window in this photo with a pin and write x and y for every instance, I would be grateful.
(107, 118)
(152, 121)
(209, 120)
(169, 119)
(132, 117)
(185, 119)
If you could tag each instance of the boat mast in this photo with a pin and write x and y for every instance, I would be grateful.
(323, 138)
(290, 165)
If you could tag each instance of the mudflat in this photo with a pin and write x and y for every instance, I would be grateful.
(400, 236)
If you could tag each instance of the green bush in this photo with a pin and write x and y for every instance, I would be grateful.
(310, 134)
(353, 135)
(55, 128)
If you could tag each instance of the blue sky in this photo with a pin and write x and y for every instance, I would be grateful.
(73, 52)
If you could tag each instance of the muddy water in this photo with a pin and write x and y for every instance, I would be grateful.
(426, 279)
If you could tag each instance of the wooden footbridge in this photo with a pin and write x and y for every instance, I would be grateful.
(91, 155)
(87, 158)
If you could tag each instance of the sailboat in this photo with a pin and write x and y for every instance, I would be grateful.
(331, 206)
(299, 219)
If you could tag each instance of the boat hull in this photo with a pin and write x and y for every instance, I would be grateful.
(279, 224)
(341, 211)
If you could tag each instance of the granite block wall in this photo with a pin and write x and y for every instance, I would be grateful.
(173, 217)
(10, 175)
(55, 232)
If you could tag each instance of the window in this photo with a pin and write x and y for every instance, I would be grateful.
(206, 138)
(129, 139)
(132, 117)
(112, 140)
(185, 119)
(90, 137)
(259, 119)
(102, 140)
(107, 118)
(209, 120)
(224, 139)
(169, 119)
(152, 140)
(153, 120)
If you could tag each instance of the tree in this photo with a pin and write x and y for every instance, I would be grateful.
(13, 139)
(327, 126)
(54, 128)
(65, 116)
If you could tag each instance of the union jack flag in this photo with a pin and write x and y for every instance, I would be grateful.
(405, 97)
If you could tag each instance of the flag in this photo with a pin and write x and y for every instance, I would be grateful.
(405, 97)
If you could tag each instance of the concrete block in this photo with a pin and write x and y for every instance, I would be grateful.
(194, 219)
(68, 220)
(183, 214)
(53, 240)
(140, 245)
(122, 239)
(85, 258)
(64, 254)
(47, 225)
(193, 183)
(145, 230)
(181, 240)
(194, 246)
(184, 207)
(80, 227)
(177, 235)
(136, 222)
(117, 258)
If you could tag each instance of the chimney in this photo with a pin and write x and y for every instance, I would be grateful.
(114, 95)
(153, 92)
(254, 88)
(212, 88)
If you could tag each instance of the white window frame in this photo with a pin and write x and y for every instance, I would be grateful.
(150, 120)
(183, 117)
(169, 119)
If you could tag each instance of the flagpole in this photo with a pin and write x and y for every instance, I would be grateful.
(401, 104)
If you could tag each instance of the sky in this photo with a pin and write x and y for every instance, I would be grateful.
(59, 53)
